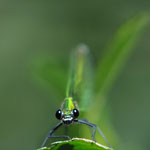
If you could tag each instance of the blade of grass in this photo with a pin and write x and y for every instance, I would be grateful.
(118, 52)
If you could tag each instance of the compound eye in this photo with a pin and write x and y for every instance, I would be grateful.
(59, 114)
(75, 113)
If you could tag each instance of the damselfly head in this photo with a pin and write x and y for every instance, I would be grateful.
(67, 116)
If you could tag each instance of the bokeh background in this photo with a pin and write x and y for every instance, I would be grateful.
(42, 30)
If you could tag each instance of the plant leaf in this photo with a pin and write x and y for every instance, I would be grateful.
(118, 52)
(50, 73)
(76, 144)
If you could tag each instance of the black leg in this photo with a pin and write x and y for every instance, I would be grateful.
(89, 124)
(101, 133)
(93, 126)
(51, 132)
(86, 120)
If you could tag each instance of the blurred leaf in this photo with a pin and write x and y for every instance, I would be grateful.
(50, 72)
(76, 144)
(118, 52)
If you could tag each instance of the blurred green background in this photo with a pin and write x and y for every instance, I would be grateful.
(31, 31)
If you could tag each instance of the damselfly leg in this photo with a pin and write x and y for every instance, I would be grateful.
(94, 127)
(51, 132)
(78, 122)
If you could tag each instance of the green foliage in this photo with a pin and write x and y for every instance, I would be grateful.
(118, 51)
(76, 144)
(117, 54)
(51, 73)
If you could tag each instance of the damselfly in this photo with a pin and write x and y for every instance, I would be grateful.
(69, 111)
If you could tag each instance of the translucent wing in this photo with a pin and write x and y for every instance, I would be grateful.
(80, 76)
